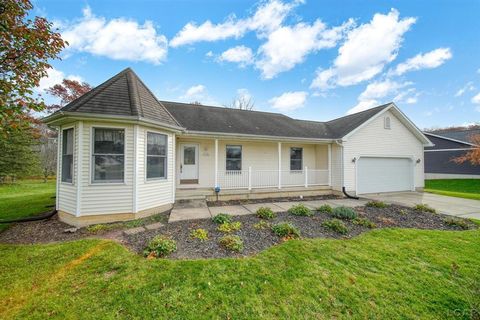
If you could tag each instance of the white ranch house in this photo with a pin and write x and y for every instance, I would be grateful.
(124, 154)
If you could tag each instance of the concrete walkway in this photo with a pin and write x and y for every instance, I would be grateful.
(458, 207)
(198, 209)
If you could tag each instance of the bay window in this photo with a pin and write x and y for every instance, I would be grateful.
(156, 155)
(67, 155)
(108, 155)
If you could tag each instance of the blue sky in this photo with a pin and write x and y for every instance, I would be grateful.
(313, 60)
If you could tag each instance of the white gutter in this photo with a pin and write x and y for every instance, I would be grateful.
(252, 136)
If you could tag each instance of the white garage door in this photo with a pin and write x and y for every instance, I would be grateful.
(376, 174)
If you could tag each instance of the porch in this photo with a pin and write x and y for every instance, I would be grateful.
(249, 169)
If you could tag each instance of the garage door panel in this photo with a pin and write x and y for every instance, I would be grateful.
(382, 174)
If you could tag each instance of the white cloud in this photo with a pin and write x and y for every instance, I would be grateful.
(239, 54)
(468, 87)
(367, 49)
(119, 39)
(289, 101)
(375, 93)
(209, 54)
(289, 45)
(476, 99)
(266, 18)
(198, 93)
(429, 60)
(54, 76)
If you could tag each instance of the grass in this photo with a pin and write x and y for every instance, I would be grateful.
(25, 198)
(460, 188)
(382, 274)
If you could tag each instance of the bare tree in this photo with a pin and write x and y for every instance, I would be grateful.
(198, 103)
(242, 102)
(47, 151)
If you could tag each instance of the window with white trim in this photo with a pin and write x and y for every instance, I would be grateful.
(296, 158)
(108, 156)
(387, 123)
(234, 158)
(67, 155)
(156, 155)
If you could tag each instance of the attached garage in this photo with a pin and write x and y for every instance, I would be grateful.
(384, 174)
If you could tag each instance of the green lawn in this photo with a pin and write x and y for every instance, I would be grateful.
(383, 274)
(461, 188)
(25, 198)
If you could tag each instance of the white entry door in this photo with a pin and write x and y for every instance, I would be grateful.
(189, 163)
(383, 174)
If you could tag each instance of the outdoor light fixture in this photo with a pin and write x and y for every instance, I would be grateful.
(354, 160)
(418, 160)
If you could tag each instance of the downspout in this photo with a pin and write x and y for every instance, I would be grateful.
(339, 142)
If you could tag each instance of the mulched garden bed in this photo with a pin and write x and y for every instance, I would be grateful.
(268, 200)
(256, 240)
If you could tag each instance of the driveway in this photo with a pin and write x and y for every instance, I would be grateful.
(459, 207)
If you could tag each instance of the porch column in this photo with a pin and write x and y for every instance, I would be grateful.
(330, 164)
(216, 163)
(279, 165)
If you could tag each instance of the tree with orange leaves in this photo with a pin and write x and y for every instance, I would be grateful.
(472, 156)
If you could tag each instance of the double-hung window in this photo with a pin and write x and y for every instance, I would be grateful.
(296, 159)
(156, 155)
(67, 155)
(108, 155)
(234, 158)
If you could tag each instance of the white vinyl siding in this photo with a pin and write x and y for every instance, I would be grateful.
(106, 198)
(374, 140)
(67, 191)
(156, 192)
(336, 167)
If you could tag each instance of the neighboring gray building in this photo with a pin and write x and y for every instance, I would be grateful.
(449, 145)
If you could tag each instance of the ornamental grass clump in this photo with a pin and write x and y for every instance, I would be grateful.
(160, 246)
(364, 222)
(265, 213)
(336, 225)
(300, 210)
(376, 204)
(232, 243)
(222, 218)
(424, 208)
(286, 230)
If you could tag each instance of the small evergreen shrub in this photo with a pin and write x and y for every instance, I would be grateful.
(300, 210)
(222, 218)
(376, 204)
(233, 243)
(364, 222)
(229, 227)
(200, 234)
(424, 208)
(336, 225)
(326, 208)
(265, 213)
(454, 222)
(344, 213)
(160, 246)
(261, 225)
(286, 230)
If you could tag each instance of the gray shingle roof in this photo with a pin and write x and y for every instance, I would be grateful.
(124, 94)
(461, 135)
(226, 120)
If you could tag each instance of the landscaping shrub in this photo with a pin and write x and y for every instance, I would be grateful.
(262, 225)
(222, 218)
(286, 230)
(160, 246)
(228, 227)
(454, 222)
(344, 213)
(326, 208)
(233, 243)
(424, 208)
(364, 222)
(200, 234)
(300, 210)
(403, 212)
(376, 204)
(265, 213)
(336, 225)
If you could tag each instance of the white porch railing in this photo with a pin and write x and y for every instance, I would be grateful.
(251, 178)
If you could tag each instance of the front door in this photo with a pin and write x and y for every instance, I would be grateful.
(188, 163)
